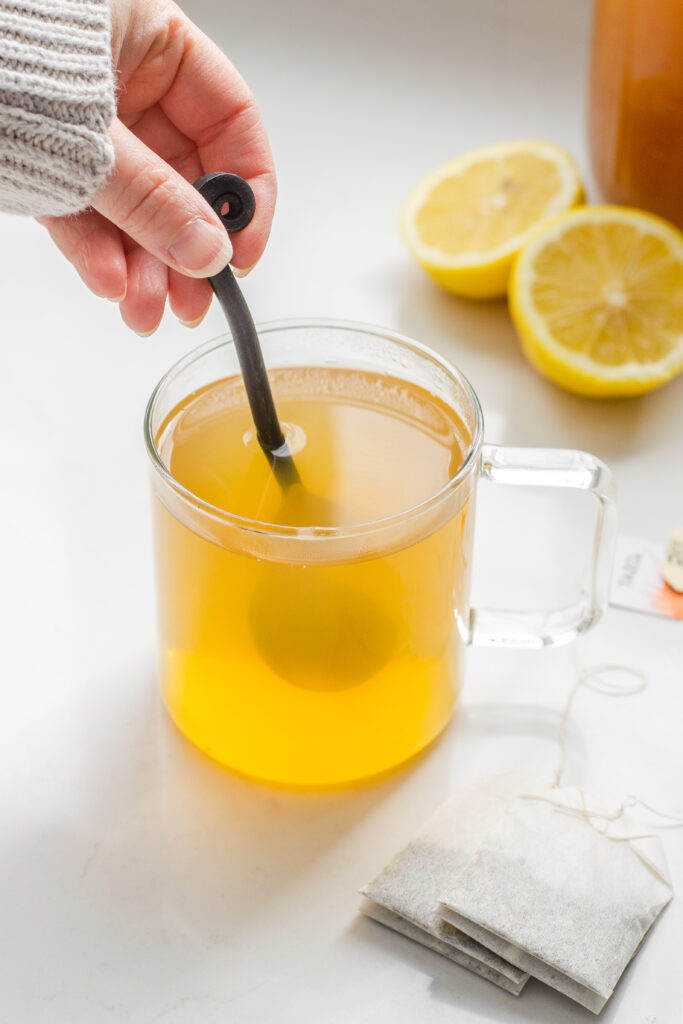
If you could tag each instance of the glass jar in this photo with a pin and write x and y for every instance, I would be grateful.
(636, 104)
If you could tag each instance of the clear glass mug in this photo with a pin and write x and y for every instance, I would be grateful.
(352, 692)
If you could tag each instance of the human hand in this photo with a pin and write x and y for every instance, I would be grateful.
(183, 111)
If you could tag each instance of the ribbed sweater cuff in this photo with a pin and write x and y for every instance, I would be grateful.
(56, 103)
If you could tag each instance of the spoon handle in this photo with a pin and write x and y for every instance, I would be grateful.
(234, 195)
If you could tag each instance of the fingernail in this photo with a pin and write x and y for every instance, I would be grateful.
(121, 297)
(148, 334)
(238, 272)
(194, 323)
(200, 249)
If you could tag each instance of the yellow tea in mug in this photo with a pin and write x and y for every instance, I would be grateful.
(321, 670)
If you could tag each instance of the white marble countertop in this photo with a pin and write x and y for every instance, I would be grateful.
(138, 881)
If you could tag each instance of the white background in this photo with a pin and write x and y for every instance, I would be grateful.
(139, 882)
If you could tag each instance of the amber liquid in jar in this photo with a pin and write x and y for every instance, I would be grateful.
(636, 104)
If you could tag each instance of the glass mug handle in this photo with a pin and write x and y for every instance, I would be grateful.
(551, 467)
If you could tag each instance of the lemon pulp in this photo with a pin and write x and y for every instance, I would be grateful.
(466, 220)
(597, 299)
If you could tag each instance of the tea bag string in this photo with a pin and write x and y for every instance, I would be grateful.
(592, 817)
(629, 681)
(586, 814)
(636, 682)
(594, 678)
(673, 820)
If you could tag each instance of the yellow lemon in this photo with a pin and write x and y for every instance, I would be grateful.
(466, 220)
(597, 300)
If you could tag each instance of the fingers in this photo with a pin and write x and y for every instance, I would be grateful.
(209, 103)
(152, 203)
(203, 119)
(149, 281)
(95, 247)
(143, 306)
(118, 269)
(189, 299)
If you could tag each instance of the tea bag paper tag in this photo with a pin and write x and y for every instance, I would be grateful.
(563, 857)
(405, 894)
(672, 571)
(646, 579)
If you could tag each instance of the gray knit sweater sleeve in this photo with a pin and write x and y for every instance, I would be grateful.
(56, 102)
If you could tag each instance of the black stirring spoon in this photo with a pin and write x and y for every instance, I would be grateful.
(334, 635)
(232, 199)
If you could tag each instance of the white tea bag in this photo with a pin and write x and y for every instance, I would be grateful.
(405, 894)
(564, 887)
(511, 978)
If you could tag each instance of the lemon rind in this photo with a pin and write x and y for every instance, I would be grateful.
(574, 370)
(570, 193)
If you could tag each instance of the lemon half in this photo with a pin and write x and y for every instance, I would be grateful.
(466, 220)
(597, 300)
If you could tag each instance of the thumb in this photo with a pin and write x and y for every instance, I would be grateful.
(158, 208)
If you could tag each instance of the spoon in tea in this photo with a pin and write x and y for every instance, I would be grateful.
(324, 616)
(232, 199)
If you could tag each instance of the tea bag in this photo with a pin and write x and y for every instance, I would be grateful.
(510, 978)
(564, 887)
(404, 896)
